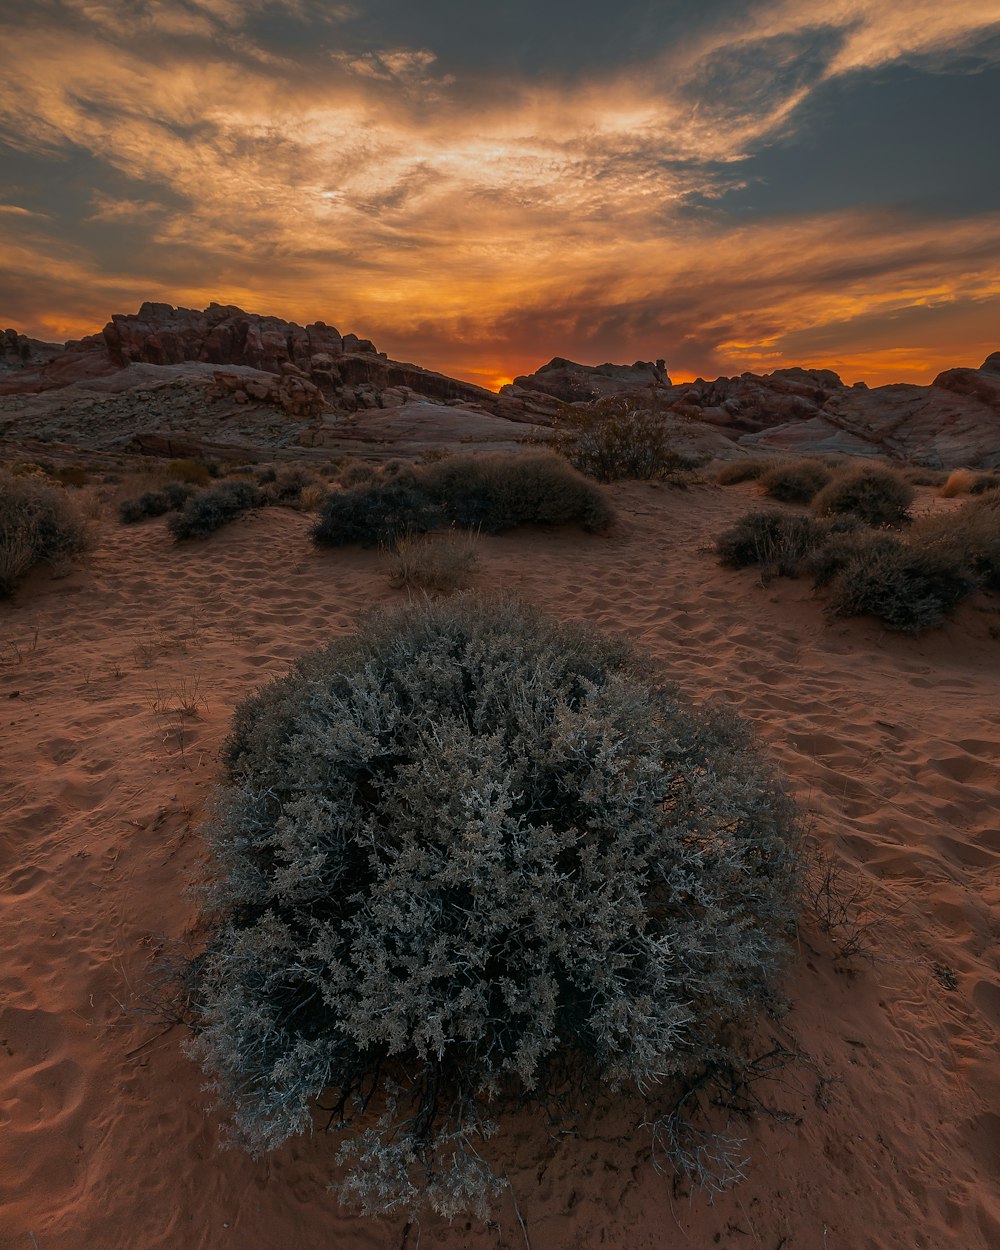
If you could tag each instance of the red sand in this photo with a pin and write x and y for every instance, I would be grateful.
(892, 745)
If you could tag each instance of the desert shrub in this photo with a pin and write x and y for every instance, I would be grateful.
(72, 475)
(795, 481)
(985, 482)
(380, 513)
(492, 492)
(874, 495)
(37, 522)
(470, 857)
(194, 472)
(287, 484)
(906, 588)
(612, 440)
(968, 537)
(357, 474)
(741, 471)
(439, 563)
(171, 497)
(499, 491)
(777, 541)
(210, 509)
(920, 475)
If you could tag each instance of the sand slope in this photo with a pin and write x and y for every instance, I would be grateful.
(892, 745)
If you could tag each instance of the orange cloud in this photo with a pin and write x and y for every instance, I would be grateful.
(547, 219)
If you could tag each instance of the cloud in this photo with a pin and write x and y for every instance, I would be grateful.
(666, 189)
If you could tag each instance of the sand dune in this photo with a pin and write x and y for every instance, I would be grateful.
(116, 686)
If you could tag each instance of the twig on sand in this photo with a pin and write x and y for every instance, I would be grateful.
(520, 1218)
(156, 1036)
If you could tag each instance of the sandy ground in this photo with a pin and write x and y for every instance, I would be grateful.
(892, 745)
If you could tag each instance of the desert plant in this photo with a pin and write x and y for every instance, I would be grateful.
(470, 856)
(37, 522)
(210, 509)
(984, 483)
(499, 491)
(437, 562)
(72, 475)
(794, 481)
(968, 537)
(735, 471)
(194, 472)
(491, 492)
(286, 484)
(615, 439)
(906, 588)
(777, 541)
(357, 473)
(959, 482)
(379, 513)
(171, 497)
(872, 494)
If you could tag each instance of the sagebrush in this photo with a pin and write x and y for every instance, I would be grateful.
(469, 858)
(490, 492)
(38, 521)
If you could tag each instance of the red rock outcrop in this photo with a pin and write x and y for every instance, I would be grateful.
(571, 383)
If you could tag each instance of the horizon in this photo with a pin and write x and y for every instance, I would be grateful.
(729, 187)
(676, 378)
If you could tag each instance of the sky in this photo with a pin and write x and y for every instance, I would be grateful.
(481, 186)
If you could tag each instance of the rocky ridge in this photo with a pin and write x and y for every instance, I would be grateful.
(177, 380)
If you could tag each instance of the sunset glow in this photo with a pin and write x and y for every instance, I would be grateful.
(727, 186)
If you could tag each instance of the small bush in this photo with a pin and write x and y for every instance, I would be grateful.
(357, 474)
(469, 858)
(984, 483)
(439, 563)
(210, 509)
(287, 484)
(741, 471)
(922, 476)
(907, 589)
(872, 494)
(778, 541)
(379, 514)
(488, 492)
(194, 472)
(169, 498)
(968, 537)
(497, 491)
(795, 481)
(612, 440)
(72, 475)
(37, 522)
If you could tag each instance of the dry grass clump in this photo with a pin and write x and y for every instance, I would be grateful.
(194, 472)
(872, 494)
(357, 473)
(38, 521)
(969, 536)
(491, 492)
(469, 859)
(966, 482)
(438, 563)
(736, 471)
(795, 481)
